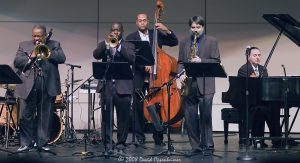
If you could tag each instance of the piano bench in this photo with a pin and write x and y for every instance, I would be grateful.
(229, 115)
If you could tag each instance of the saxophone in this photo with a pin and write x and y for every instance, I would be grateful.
(188, 81)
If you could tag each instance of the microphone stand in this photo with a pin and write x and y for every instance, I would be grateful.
(108, 151)
(286, 109)
(38, 72)
(247, 157)
(90, 106)
(72, 98)
(134, 110)
(87, 133)
(171, 150)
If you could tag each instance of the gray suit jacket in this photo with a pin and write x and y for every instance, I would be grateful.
(125, 55)
(49, 68)
(208, 52)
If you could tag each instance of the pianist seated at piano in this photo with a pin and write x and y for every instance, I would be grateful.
(259, 114)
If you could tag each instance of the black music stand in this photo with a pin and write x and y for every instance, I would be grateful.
(8, 76)
(290, 27)
(108, 71)
(204, 70)
(171, 150)
(143, 57)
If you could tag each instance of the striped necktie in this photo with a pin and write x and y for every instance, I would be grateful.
(256, 71)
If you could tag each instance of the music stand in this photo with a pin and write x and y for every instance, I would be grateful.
(109, 71)
(204, 70)
(171, 150)
(8, 76)
(143, 57)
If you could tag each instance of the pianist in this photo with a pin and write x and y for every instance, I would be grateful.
(269, 114)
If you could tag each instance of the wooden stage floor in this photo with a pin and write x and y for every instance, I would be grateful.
(222, 154)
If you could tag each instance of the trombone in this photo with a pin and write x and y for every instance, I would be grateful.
(42, 51)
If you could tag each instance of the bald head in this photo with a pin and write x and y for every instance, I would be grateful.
(117, 26)
(142, 22)
(117, 29)
(144, 15)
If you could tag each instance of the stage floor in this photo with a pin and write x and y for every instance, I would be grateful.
(222, 154)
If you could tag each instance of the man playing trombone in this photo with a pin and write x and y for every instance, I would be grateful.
(37, 63)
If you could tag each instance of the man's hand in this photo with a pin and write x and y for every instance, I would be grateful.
(33, 55)
(148, 69)
(253, 75)
(162, 27)
(196, 59)
(183, 78)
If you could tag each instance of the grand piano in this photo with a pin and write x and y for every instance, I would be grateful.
(263, 91)
(283, 91)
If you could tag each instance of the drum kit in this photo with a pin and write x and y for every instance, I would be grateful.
(9, 115)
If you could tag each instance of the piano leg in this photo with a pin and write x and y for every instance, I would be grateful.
(225, 132)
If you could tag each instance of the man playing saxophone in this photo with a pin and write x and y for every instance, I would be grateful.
(198, 48)
(37, 63)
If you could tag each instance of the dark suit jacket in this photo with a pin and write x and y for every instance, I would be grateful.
(168, 40)
(125, 55)
(208, 52)
(49, 68)
(243, 70)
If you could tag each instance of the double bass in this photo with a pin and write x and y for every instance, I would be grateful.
(164, 66)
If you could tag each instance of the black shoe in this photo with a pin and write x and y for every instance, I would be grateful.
(45, 148)
(276, 145)
(264, 145)
(208, 152)
(121, 146)
(210, 149)
(23, 148)
(193, 152)
(259, 144)
(243, 142)
(141, 141)
(292, 142)
(160, 143)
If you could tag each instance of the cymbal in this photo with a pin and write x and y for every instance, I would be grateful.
(8, 86)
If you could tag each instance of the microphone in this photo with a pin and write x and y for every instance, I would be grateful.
(68, 64)
(283, 70)
(248, 49)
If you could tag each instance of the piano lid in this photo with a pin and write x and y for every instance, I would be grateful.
(285, 22)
